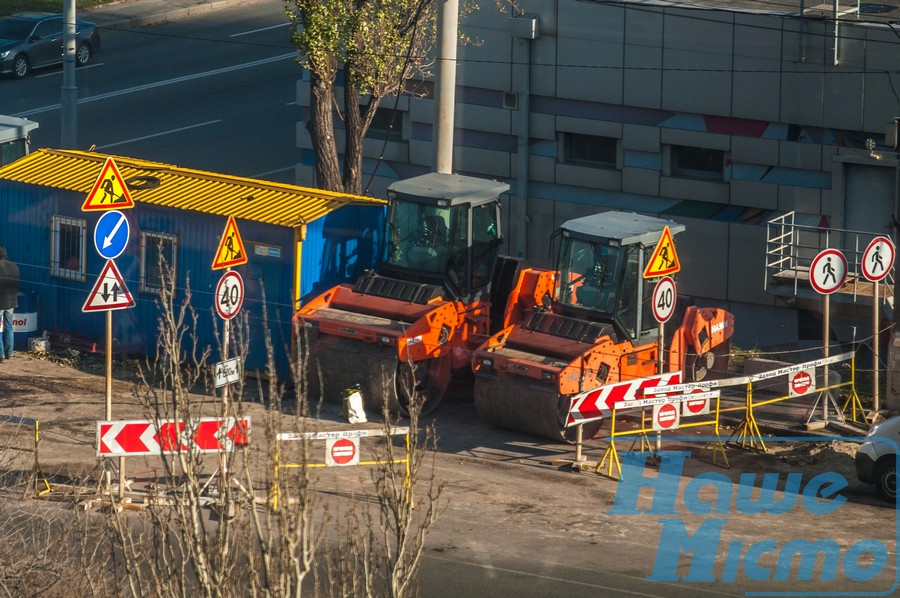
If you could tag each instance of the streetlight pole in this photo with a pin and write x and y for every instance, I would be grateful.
(69, 124)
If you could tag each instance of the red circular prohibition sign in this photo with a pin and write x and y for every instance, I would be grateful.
(343, 451)
(667, 416)
(801, 382)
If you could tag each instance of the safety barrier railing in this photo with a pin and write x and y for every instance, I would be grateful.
(341, 449)
(664, 418)
(791, 248)
(800, 380)
(747, 433)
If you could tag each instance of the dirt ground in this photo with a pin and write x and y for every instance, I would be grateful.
(65, 392)
(511, 513)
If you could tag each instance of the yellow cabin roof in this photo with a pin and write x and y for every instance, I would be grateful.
(172, 186)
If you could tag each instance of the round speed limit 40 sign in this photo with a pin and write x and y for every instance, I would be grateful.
(663, 301)
(229, 295)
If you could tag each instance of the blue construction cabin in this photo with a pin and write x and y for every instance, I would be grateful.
(299, 241)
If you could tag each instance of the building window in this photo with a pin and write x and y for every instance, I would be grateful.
(156, 249)
(590, 150)
(697, 163)
(67, 247)
(387, 124)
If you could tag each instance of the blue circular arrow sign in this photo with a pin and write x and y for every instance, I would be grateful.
(111, 234)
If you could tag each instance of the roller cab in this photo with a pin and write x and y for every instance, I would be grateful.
(588, 323)
(404, 331)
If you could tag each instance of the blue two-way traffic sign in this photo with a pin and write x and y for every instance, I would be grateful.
(111, 234)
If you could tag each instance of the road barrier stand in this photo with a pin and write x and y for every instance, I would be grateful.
(667, 412)
(341, 450)
(853, 401)
(38, 481)
(38, 475)
(157, 437)
(801, 382)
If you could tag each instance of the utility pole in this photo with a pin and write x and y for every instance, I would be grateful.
(445, 92)
(69, 124)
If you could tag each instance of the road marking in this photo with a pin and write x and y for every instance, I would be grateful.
(693, 589)
(160, 134)
(60, 71)
(146, 86)
(539, 576)
(258, 30)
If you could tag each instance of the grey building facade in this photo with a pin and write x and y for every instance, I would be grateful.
(720, 117)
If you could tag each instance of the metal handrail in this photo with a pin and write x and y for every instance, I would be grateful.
(791, 248)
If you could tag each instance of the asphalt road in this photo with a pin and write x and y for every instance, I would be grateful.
(214, 91)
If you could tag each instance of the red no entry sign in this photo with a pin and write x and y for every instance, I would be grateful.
(665, 417)
(802, 382)
(695, 406)
(342, 451)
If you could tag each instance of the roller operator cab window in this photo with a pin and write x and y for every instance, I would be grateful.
(485, 244)
(602, 278)
(419, 236)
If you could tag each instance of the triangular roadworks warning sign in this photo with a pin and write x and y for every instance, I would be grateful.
(231, 248)
(109, 292)
(664, 261)
(110, 191)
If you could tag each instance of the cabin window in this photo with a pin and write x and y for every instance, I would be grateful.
(157, 255)
(12, 151)
(67, 247)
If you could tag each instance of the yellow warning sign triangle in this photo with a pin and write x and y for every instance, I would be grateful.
(231, 248)
(664, 260)
(110, 191)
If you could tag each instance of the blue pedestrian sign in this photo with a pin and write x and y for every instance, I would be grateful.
(111, 234)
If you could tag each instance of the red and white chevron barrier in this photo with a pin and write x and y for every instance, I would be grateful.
(598, 403)
(141, 437)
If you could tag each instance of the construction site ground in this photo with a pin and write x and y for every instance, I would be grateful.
(510, 500)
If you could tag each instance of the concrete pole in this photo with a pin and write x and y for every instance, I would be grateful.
(522, 52)
(69, 120)
(445, 92)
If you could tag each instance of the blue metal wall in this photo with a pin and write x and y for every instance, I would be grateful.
(340, 246)
(337, 248)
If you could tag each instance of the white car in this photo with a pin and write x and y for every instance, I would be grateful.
(876, 459)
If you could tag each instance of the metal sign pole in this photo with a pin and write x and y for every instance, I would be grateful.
(109, 337)
(876, 362)
(825, 352)
(660, 345)
(226, 333)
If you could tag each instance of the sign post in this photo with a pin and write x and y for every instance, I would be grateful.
(663, 304)
(229, 298)
(827, 274)
(110, 194)
(878, 259)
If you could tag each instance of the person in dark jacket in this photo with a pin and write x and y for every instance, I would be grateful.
(9, 292)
